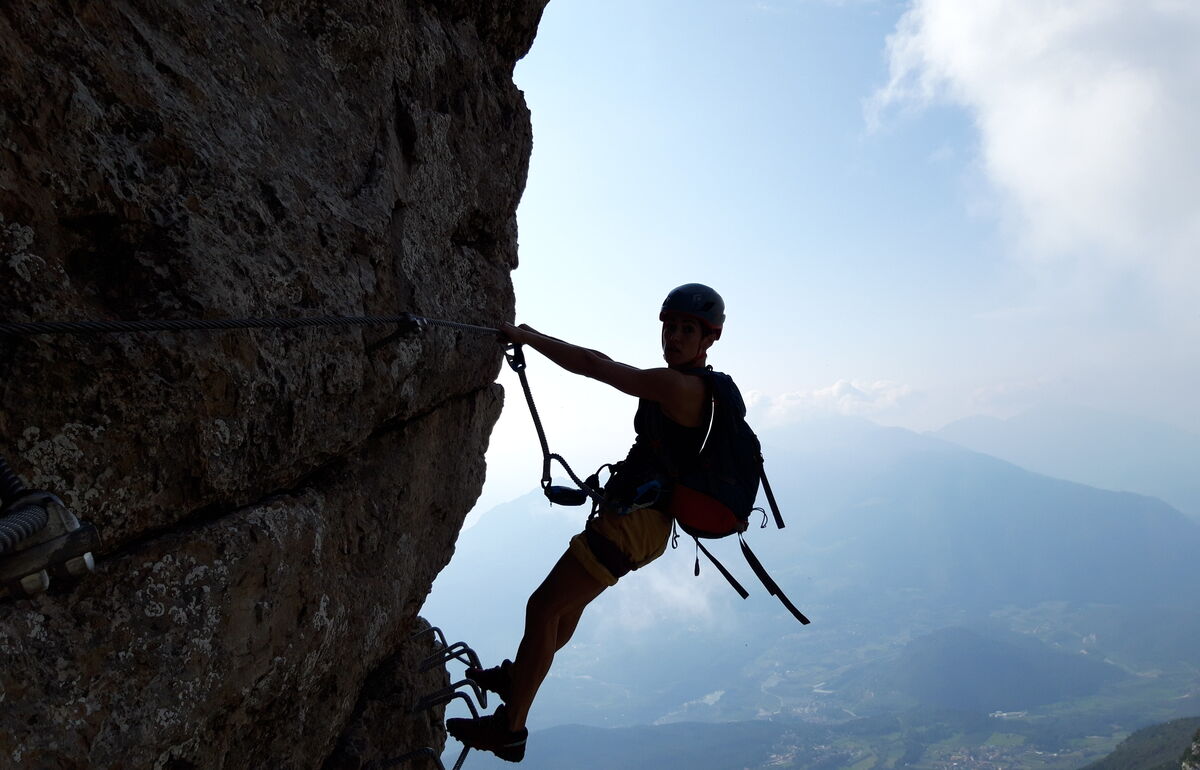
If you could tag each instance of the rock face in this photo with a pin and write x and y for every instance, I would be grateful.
(274, 504)
(1191, 758)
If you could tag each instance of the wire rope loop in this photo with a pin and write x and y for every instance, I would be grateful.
(593, 494)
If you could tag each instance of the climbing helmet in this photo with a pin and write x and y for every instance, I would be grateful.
(698, 301)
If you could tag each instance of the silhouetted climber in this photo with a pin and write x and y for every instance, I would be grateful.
(631, 528)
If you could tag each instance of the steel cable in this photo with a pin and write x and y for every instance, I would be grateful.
(219, 324)
(457, 325)
(24, 520)
(19, 523)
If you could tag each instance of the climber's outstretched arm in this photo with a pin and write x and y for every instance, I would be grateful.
(663, 385)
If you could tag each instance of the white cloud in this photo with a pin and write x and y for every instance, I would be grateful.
(1087, 117)
(665, 592)
(858, 398)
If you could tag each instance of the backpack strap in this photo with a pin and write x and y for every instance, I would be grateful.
(762, 474)
(769, 583)
(721, 568)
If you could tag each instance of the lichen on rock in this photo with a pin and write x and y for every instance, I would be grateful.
(274, 504)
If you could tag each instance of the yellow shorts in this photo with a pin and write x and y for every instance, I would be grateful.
(612, 544)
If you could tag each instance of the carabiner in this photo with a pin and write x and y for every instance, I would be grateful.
(516, 359)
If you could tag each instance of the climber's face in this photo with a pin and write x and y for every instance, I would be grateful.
(684, 341)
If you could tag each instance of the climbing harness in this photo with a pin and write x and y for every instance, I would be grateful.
(39, 538)
(560, 495)
(440, 657)
(682, 496)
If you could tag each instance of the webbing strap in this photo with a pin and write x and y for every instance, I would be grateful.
(721, 567)
(769, 583)
(516, 360)
(762, 474)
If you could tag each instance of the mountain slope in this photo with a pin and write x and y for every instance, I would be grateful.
(1159, 747)
(891, 536)
(1103, 450)
(889, 508)
(960, 669)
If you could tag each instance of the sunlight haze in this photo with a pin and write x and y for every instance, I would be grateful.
(916, 212)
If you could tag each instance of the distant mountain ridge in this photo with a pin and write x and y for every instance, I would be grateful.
(1100, 449)
(890, 508)
(892, 538)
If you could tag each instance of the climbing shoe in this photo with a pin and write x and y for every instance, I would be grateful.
(497, 679)
(491, 733)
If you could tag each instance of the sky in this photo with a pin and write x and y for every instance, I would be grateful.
(915, 211)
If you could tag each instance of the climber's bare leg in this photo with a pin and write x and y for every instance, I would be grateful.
(550, 618)
(566, 628)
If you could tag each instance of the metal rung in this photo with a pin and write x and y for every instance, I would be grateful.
(458, 651)
(447, 694)
(431, 630)
(462, 757)
(427, 751)
(480, 693)
(464, 654)
(449, 652)
(443, 696)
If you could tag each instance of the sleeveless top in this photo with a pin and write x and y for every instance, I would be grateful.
(662, 448)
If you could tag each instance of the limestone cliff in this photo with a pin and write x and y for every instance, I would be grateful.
(1191, 757)
(274, 504)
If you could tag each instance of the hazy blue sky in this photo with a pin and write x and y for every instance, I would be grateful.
(915, 211)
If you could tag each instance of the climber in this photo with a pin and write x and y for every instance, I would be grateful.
(625, 533)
